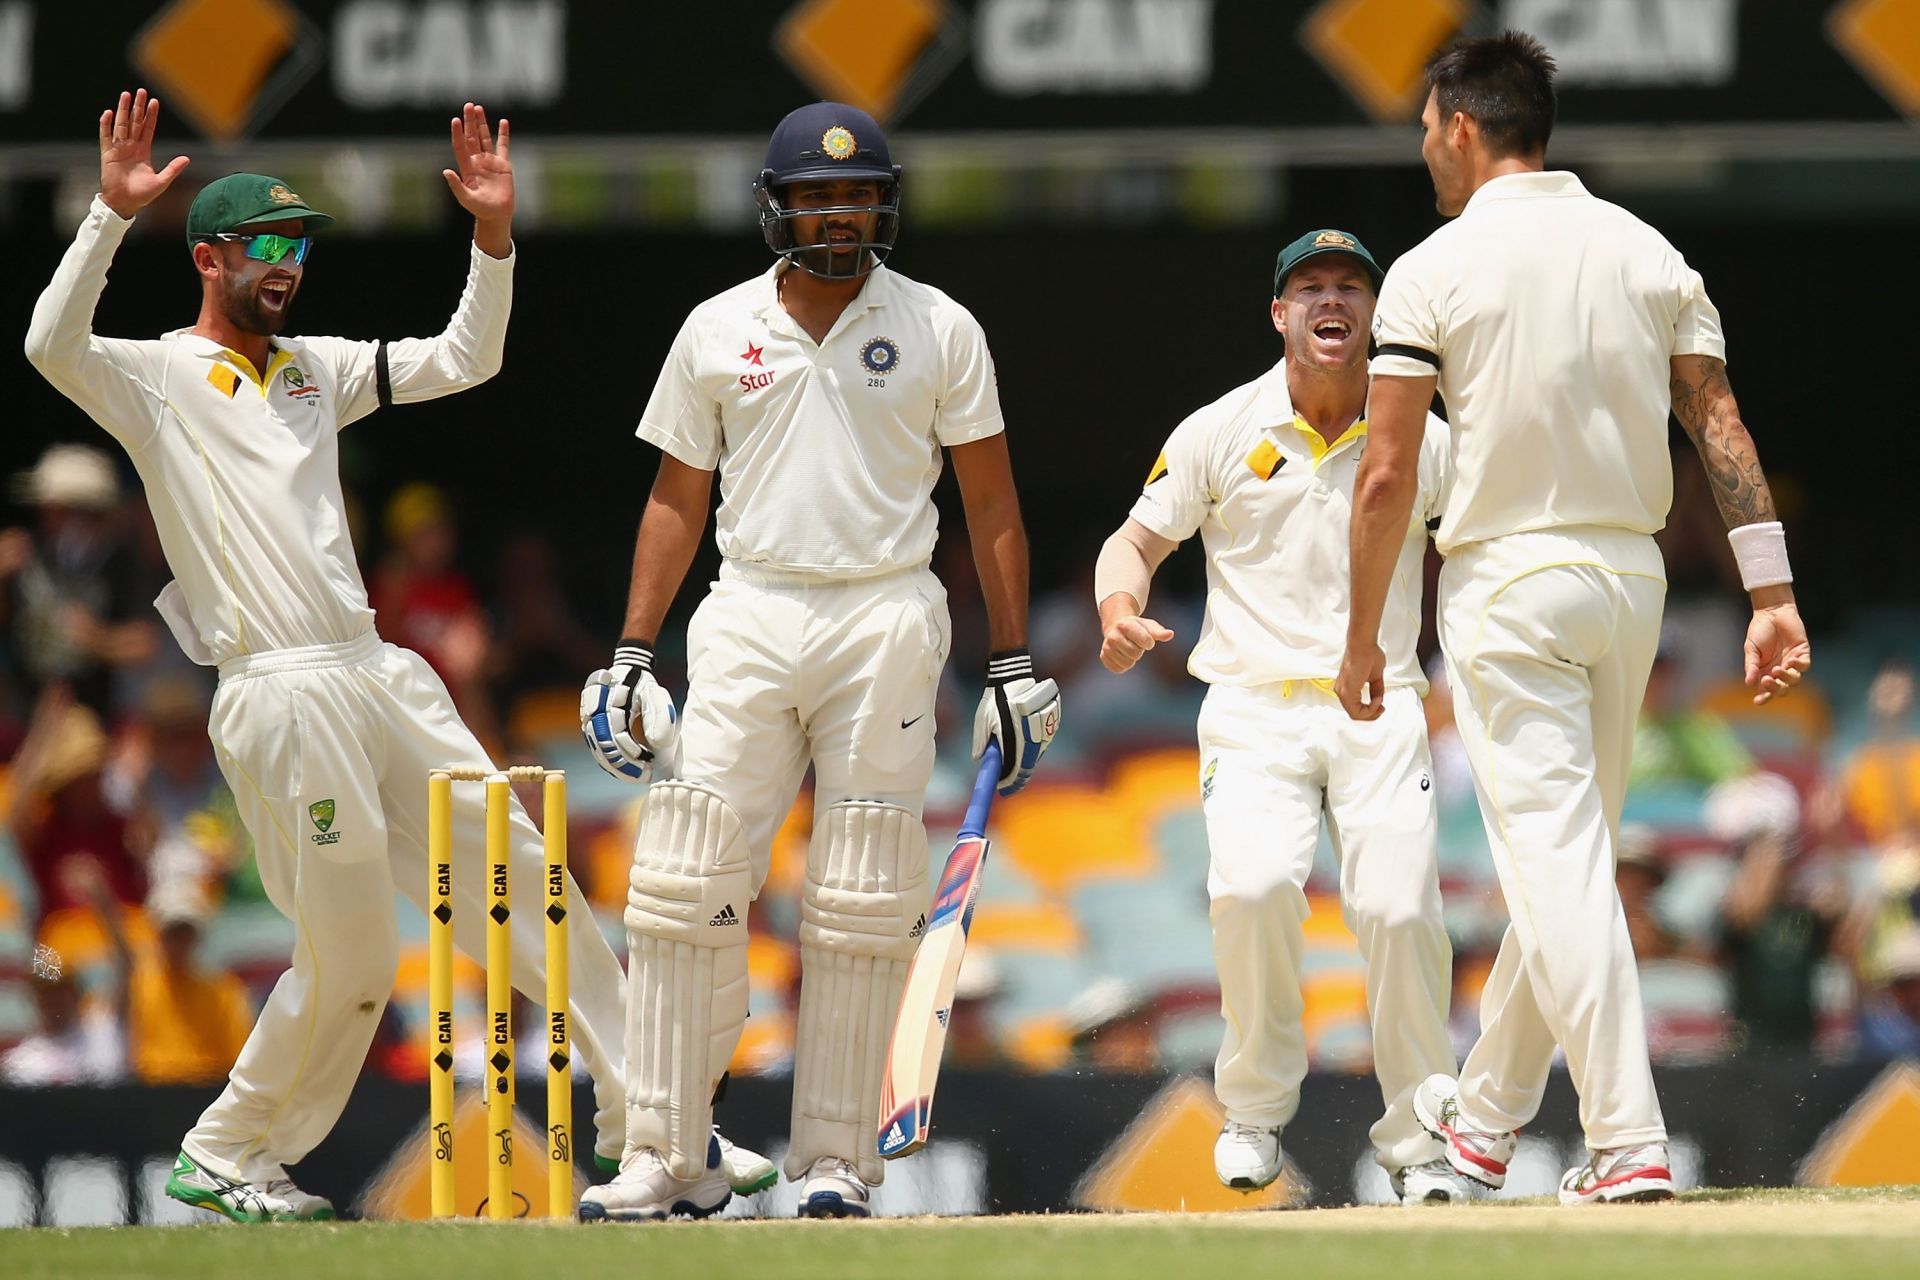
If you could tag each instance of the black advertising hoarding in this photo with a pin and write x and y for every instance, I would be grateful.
(346, 69)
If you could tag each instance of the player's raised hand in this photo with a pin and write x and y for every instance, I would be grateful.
(1127, 639)
(1777, 651)
(128, 182)
(482, 180)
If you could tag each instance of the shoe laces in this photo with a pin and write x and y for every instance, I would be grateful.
(645, 1161)
(833, 1167)
(725, 1144)
(1607, 1163)
(1248, 1132)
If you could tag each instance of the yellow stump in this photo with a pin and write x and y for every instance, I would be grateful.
(499, 1039)
(440, 990)
(559, 1048)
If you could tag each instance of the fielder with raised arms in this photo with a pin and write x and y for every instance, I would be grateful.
(324, 732)
(1559, 329)
(823, 391)
(1265, 474)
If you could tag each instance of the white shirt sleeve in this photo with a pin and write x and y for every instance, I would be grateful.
(681, 420)
(117, 382)
(1406, 325)
(466, 353)
(1178, 493)
(1696, 331)
(969, 403)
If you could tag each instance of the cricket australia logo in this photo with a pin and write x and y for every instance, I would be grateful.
(321, 811)
(297, 385)
(880, 356)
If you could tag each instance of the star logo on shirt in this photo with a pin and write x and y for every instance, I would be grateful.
(752, 354)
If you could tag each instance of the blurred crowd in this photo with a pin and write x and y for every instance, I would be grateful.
(1769, 861)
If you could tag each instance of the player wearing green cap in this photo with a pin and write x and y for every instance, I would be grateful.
(1265, 476)
(325, 732)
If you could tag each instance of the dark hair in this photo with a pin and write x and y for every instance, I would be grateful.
(1504, 83)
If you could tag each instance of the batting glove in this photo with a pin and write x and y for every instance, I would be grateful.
(627, 719)
(1018, 712)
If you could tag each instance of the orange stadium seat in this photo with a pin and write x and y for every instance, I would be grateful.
(1149, 783)
(1032, 926)
(1060, 836)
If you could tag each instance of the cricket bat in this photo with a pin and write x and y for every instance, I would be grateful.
(920, 1029)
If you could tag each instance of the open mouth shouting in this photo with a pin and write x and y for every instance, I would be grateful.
(275, 294)
(1332, 333)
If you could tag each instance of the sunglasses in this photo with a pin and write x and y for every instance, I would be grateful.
(268, 248)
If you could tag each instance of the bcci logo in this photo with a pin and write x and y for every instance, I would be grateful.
(321, 811)
(880, 356)
(838, 143)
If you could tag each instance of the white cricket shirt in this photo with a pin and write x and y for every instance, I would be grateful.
(242, 472)
(1273, 502)
(1549, 317)
(827, 452)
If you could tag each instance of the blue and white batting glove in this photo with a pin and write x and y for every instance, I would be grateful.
(627, 719)
(1018, 712)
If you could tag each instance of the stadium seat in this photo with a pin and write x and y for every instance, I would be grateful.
(1037, 926)
(1060, 836)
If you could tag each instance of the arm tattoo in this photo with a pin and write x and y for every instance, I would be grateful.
(1705, 406)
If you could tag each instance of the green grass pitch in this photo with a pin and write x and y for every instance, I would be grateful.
(1749, 1235)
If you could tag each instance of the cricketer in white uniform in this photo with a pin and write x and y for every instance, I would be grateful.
(823, 392)
(1265, 476)
(1559, 329)
(325, 733)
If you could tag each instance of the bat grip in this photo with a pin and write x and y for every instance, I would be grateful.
(975, 823)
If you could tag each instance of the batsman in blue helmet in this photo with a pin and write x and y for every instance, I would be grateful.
(829, 193)
(827, 392)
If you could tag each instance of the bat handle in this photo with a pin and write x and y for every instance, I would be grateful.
(975, 823)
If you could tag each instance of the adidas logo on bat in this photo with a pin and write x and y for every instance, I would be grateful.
(725, 916)
(895, 1137)
(919, 926)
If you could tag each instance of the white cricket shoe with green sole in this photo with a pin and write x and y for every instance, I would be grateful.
(747, 1171)
(275, 1201)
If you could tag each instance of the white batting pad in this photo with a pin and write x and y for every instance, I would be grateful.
(862, 912)
(687, 968)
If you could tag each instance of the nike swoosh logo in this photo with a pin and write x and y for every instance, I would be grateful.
(908, 724)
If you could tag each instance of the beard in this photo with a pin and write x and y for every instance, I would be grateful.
(242, 308)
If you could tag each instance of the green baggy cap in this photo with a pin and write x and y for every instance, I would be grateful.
(1326, 240)
(243, 199)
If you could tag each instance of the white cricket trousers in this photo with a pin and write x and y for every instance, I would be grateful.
(1549, 637)
(786, 668)
(327, 750)
(1275, 759)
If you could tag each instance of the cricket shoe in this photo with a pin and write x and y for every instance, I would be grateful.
(1480, 1156)
(1620, 1175)
(1435, 1182)
(644, 1191)
(747, 1171)
(834, 1190)
(1246, 1158)
(275, 1201)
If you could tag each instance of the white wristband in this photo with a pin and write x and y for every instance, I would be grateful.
(1761, 552)
(1120, 567)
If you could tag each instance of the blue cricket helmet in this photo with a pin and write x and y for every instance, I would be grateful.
(822, 142)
